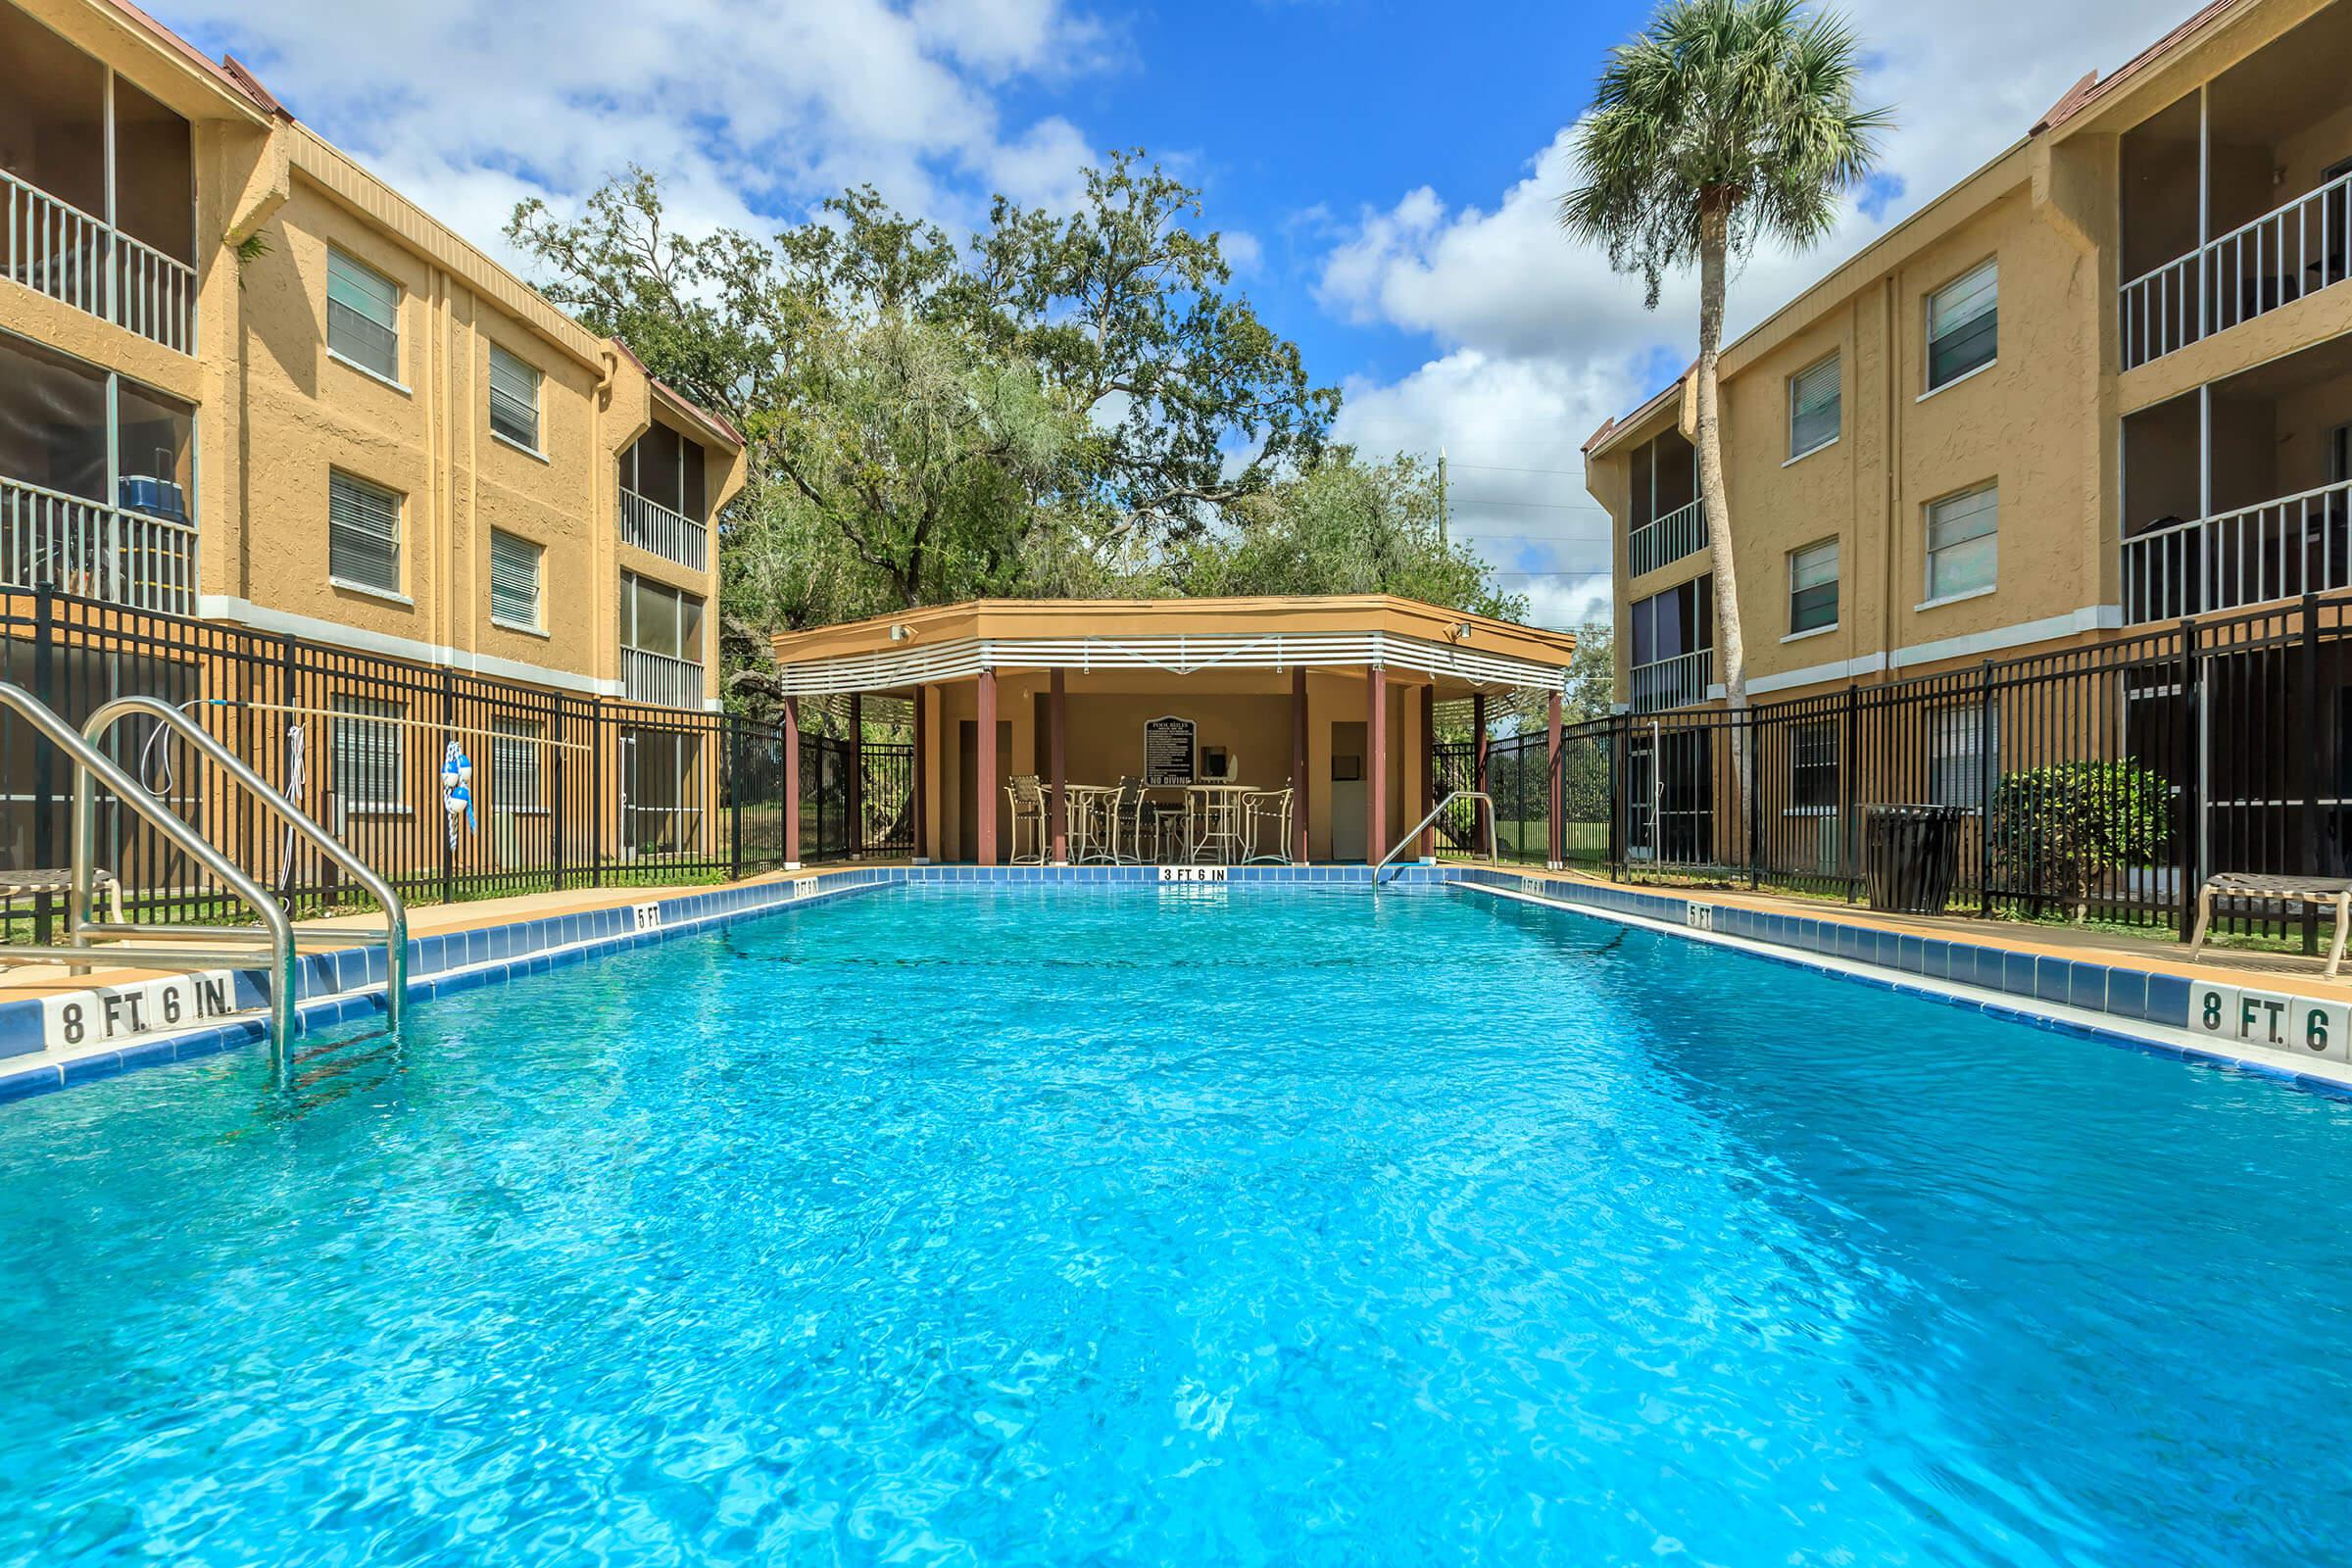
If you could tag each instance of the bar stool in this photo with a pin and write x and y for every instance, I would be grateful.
(1028, 813)
(1261, 811)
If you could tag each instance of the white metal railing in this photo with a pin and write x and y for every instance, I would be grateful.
(1663, 541)
(55, 247)
(2289, 251)
(672, 536)
(97, 550)
(660, 679)
(2279, 548)
(1677, 682)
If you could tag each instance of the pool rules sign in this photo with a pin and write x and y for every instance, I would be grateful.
(1169, 749)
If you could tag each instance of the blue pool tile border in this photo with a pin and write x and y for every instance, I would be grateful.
(2011, 983)
(442, 963)
(334, 985)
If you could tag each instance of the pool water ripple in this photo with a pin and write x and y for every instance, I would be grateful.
(1026, 1226)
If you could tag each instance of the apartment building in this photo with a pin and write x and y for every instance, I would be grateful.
(2102, 384)
(243, 380)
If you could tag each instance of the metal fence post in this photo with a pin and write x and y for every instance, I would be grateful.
(2306, 756)
(47, 814)
(596, 792)
(1852, 774)
(563, 801)
(734, 798)
(1754, 804)
(1619, 727)
(2191, 749)
(449, 825)
(1988, 780)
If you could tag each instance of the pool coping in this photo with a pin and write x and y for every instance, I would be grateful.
(2115, 1003)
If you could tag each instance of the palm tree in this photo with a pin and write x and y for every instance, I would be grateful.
(1727, 122)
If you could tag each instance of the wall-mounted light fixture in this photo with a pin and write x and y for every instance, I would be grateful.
(898, 632)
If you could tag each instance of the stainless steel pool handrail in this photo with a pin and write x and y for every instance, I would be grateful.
(395, 934)
(90, 763)
(1436, 812)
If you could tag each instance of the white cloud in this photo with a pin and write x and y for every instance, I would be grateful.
(1536, 341)
(744, 106)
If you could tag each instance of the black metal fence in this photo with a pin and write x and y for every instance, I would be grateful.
(2106, 780)
(567, 790)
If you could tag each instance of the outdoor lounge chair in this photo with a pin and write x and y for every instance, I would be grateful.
(20, 884)
(2328, 892)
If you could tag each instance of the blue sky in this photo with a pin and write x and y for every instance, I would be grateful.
(1384, 170)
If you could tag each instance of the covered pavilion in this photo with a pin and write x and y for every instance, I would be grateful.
(1333, 697)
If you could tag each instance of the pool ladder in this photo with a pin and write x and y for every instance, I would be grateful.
(1436, 812)
(276, 942)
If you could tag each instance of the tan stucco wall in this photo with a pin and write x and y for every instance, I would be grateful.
(274, 413)
(2041, 422)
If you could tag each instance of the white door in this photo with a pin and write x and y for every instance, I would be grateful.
(1347, 803)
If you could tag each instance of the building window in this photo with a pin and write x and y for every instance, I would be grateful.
(1813, 587)
(370, 761)
(1813, 407)
(1959, 758)
(362, 316)
(514, 779)
(1813, 768)
(1963, 322)
(514, 399)
(514, 581)
(362, 533)
(1960, 542)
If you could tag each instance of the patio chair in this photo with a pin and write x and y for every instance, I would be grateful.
(1133, 822)
(1028, 820)
(2328, 892)
(24, 884)
(1266, 811)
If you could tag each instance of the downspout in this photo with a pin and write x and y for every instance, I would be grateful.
(1894, 463)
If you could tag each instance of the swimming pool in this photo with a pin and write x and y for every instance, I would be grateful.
(1036, 1225)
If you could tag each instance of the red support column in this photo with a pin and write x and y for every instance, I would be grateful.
(791, 784)
(854, 782)
(1479, 810)
(1054, 706)
(1554, 844)
(1376, 765)
(1428, 768)
(922, 800)
(985, 784)
(1298, 765)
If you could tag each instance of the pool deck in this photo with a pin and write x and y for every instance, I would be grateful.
(2157, 954)
(2274, 1013)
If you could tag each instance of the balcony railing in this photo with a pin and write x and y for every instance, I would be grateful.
(660, 679)
(57, 249)
(2282, 549)
(672, 536)
(96, 550)
(1663, 541)
(1678, 682)
(2286, 253)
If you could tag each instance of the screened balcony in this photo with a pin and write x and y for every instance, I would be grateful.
(2237, 494)
(1665, 523)
(2237, 199)
(1673, 647)
(663, 499)
(97, 483)
(97, 189)
(660, 644)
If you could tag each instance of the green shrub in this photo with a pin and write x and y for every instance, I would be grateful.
(2056, 830)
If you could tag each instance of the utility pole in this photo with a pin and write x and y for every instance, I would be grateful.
(1441, 495)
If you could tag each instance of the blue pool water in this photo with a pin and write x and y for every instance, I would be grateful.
(959, 1226)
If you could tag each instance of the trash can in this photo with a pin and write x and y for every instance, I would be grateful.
(1910, 856)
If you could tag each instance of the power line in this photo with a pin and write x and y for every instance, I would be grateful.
(1459, 505)
(1495, 468)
